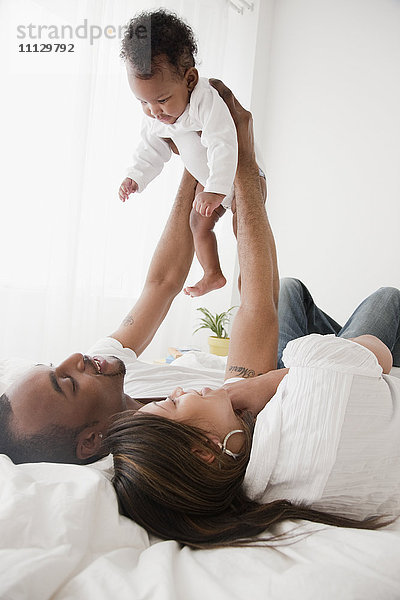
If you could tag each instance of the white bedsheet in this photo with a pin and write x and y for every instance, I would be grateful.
(61, 538)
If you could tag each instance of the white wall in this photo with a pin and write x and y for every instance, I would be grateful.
(329, 116)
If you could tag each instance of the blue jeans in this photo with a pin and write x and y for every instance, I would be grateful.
(379, 315)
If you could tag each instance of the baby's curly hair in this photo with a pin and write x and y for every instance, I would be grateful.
(152, 35)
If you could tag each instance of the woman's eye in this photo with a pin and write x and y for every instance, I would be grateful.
(162, 101)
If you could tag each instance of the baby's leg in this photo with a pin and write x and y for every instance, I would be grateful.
(205, 244)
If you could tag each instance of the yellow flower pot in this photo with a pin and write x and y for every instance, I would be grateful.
(218, 346)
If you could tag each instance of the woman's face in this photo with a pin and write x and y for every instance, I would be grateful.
(209, 410)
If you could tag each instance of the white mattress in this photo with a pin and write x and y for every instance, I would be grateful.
(61, 538)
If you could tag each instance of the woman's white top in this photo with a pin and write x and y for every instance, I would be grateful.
(330, 437)
(205, 136)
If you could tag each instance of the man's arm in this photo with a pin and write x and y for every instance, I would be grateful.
(167, 274)
(254, 336)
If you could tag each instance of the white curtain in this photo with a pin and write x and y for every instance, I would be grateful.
(74, 257)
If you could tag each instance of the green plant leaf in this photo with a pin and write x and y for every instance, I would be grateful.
(201, 327)
(215, 323)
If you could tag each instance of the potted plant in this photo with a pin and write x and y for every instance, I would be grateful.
(219, 342)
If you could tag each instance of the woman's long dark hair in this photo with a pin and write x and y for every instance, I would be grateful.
(168, 489)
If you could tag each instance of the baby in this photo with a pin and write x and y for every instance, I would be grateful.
(184, 112)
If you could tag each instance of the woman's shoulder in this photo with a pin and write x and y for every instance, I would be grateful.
(333, 353)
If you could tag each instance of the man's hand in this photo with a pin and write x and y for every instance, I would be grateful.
(205, 202)
(244, 123)
(127, 187)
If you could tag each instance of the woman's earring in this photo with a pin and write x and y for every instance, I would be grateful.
(101, 436)
(223, 447)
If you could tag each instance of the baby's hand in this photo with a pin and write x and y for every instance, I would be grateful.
(128, 186)
(205, 202)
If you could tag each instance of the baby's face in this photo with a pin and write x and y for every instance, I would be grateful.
(163, 97)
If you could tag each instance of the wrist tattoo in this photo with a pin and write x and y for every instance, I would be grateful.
(242, 371)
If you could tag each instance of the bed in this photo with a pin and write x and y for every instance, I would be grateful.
(61, 537)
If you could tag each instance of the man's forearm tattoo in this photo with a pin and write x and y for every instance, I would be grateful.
(128, 320)
(242, 371)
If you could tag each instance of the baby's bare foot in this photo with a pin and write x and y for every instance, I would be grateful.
(206, 284)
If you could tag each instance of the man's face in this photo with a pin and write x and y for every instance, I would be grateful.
(79, 391)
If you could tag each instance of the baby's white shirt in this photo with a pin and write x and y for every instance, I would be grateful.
(211, 157)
